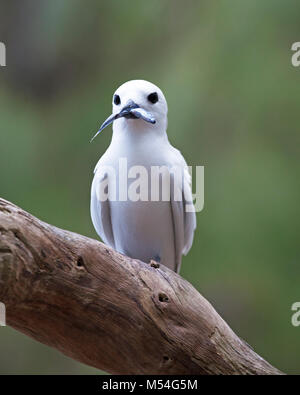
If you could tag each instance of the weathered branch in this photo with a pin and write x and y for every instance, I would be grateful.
(109, 311)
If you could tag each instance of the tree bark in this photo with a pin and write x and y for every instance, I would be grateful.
(109, 311)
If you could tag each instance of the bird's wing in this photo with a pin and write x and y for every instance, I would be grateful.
(184, 223)
(100, 208)
(189, 217)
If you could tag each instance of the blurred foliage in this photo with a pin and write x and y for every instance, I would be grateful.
(233, 107)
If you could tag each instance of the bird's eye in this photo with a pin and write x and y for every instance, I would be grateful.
(153, 97)
(117, 99)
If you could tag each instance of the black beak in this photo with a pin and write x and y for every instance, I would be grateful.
(130, 111)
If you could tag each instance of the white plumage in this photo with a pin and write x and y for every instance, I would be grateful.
(145, 230)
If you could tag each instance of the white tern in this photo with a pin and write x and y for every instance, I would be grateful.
(156, 229)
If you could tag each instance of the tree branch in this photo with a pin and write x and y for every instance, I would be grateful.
(109, 311)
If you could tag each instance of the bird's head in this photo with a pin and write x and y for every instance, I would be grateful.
(138, 105)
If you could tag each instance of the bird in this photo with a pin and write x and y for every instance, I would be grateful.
(155, 229)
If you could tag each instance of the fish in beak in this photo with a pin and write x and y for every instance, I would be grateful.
(130, 111)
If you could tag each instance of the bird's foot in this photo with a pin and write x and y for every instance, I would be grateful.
(155, 262)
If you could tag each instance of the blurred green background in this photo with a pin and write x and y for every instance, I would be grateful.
(233, 95)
